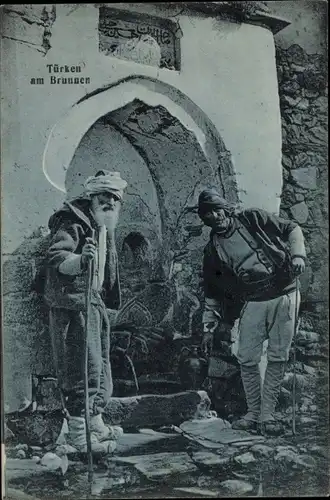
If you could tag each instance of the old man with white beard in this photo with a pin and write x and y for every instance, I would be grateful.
(96, 212)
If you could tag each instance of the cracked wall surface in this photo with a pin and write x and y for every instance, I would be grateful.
(30, 25)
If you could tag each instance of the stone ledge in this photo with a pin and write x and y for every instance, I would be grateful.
(155, 410)
(43, 428)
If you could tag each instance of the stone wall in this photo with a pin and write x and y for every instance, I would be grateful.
(303, 99)
(24, 321)
(303, 93)
(301, 53)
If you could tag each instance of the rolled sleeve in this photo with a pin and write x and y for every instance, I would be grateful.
(296, 242)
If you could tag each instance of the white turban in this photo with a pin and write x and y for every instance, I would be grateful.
(105, 182)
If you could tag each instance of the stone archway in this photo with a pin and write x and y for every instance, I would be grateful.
(66, 135)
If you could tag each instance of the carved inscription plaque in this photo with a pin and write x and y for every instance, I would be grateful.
(140, 38)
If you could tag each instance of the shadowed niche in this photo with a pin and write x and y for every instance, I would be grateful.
(136, 250)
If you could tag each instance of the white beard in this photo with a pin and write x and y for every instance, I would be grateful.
(109, 219)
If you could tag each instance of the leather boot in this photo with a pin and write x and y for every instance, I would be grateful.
(76, 438)
(104, 432)
(252, 388)
(271, 389)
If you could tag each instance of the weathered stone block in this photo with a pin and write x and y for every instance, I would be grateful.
(318, 136)
(288, 101)
(305, 177)
(297, 68)
(236, 486)
(245, 459)
(160, 465)
(303, 105)
(40, 428)
(300, 212)
(209, 459)
(155, 410)
(320, 105)
(307, 337)
(290, 87)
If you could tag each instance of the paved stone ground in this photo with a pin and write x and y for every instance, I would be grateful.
(171, 465)
(198, 458)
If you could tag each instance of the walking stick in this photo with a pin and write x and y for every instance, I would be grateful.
(294, 361)
(87, 415)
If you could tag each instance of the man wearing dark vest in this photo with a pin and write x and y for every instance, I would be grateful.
(250, 268)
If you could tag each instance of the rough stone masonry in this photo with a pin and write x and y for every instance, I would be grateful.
(303, 89)
(303, 99)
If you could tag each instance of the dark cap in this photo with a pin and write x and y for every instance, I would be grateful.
(209, 199)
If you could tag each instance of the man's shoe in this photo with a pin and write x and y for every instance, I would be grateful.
(271, 428)
(104, 432)
(246, 423)
(77, 438)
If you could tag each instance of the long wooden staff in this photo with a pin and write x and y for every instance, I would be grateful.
(87, 316)
(294, 360)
